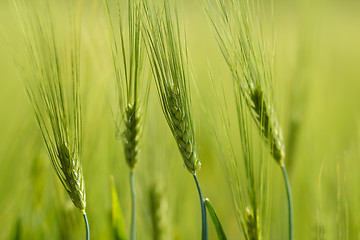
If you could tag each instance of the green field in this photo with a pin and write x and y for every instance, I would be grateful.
(316, 97)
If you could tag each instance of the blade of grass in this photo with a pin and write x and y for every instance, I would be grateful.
(218, 227)
(204, 229)
(117, 215)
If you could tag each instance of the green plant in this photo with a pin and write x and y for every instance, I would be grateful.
(52, 81)
(127, 56)
(240, 35)
(245, 168)
(168, 60)
(219, 229)
(116, 213)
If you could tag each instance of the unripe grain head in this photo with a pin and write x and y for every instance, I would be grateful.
(132, 87)
(239, 34)
(131, 135)
(267, 124)
(74, 182)
(239, 30)
(52, 83)
(169, 66)
(252, 225)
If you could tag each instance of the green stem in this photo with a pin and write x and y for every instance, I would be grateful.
(204, 231)
(132, 233)
(290, 210)
(86, 227)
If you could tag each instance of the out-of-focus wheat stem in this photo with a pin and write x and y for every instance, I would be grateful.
(290, 207)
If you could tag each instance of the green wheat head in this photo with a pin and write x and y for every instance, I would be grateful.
(127, 52)
(131, 135)
(247, 174)
(252, 225)
(168, 60)
(52, 80)
(246, 55)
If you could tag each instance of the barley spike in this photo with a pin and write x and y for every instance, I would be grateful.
(168, 62)
(74, 182)
(267, 124)
(52, 82)
(252, 226)
(131, 135)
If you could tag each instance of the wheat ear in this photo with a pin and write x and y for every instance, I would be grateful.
(267, 124)
(252, 225)
(241, 42)
(132, 88)
(131, 135)
(168, 60)
(52, 83)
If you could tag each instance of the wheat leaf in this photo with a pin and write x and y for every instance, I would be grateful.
(117, 215)
(219, 229)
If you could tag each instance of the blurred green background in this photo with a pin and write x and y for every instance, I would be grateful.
(317, 85)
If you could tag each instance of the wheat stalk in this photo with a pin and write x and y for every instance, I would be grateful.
(52, 80)
(247, 176)
(241, 42)
(168, 60)
(127, 53)
(128, 56)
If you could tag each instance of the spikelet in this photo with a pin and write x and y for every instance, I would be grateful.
(52, 81)
(131, 135)
(168, 61)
